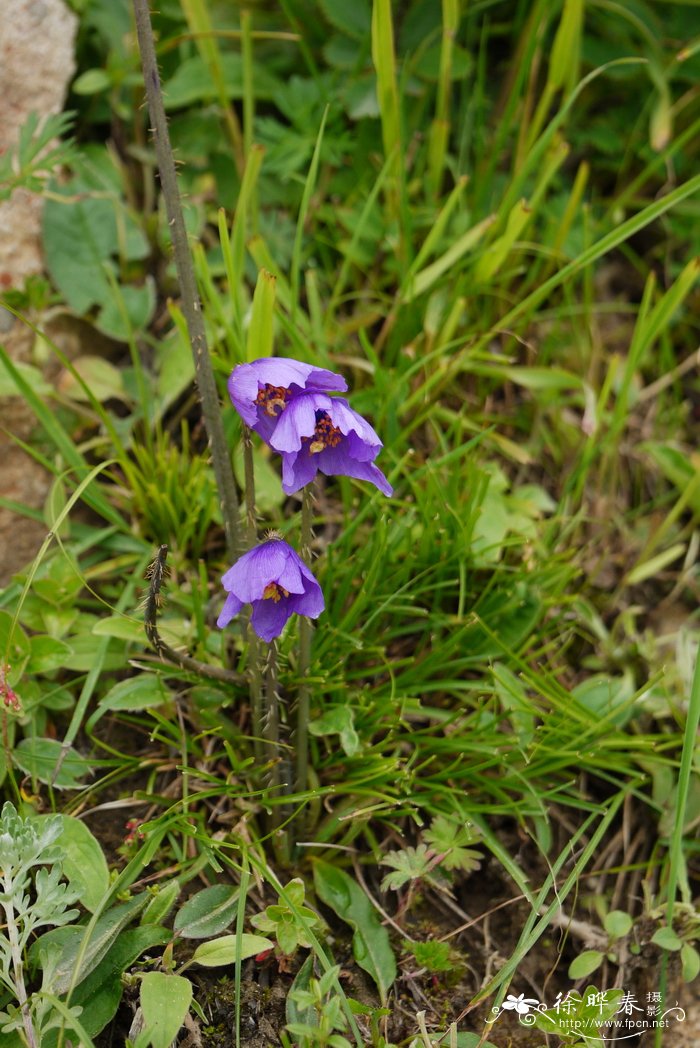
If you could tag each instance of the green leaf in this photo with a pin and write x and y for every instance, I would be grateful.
(131, 629)
(91, 82)
(39, 758)
(14, 648)
(294, 1012)
(100, 993)
(287, 937)
(193, 81)
(79, 237)
(370, 942)
(84, 863)
(667, 939)
(617, 923)
(354, 19)
(165, 1001)
(585, 963)
(29, 373)
(104, 380)
(339, 720)
(83, 234)
(74, 952)
(229, 948)
(47, 654)
(129, 309)
(136, 693)
(207, 913)
(161, 904)
(690, 960)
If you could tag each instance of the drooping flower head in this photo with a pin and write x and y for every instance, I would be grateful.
(286, 402)
(276, 582)
(261, 390)
(317, 432)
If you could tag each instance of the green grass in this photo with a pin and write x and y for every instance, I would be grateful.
(497, 259)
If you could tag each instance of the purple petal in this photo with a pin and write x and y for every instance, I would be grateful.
(310, 603)
(298, 470)
(256, 569)
(243, 389)
(291, 578)
(348, 421)
(359, 449)
(269, 618)
(338, 462)
(246, 379)
(232, 605)
(298, 420)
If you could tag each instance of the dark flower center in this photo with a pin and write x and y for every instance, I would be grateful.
(272, 399)
(326, 435)
(273, 591)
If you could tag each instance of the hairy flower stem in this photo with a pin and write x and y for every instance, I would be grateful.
(272, 745)
(191, 304)
(302, 725)
(254, 672)
(18, 965)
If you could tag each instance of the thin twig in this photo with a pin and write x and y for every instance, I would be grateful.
(191, 304)
(156, 574)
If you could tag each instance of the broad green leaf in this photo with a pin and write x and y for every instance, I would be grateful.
(585, 963)
(193, 82)
(39, 758)
(370, 942)
(74, 952)
(47, 654)
(128, 309)
(207, 913)
(667, 939)
(617, 923)
(165, 1001)
(100, 993)
(104, 379)
(84, 865)
(125, 628)
(136, 693)
(81, 238)
(230, 948)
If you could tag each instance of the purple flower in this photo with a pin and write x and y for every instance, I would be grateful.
(317, 432)
(261, 391)
(276, 582)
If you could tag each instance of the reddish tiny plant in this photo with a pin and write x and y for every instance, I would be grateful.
(134, 832)
(9, 697)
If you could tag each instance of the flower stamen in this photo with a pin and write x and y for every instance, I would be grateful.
(325, 435)
(273, 591)
(272, 399)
